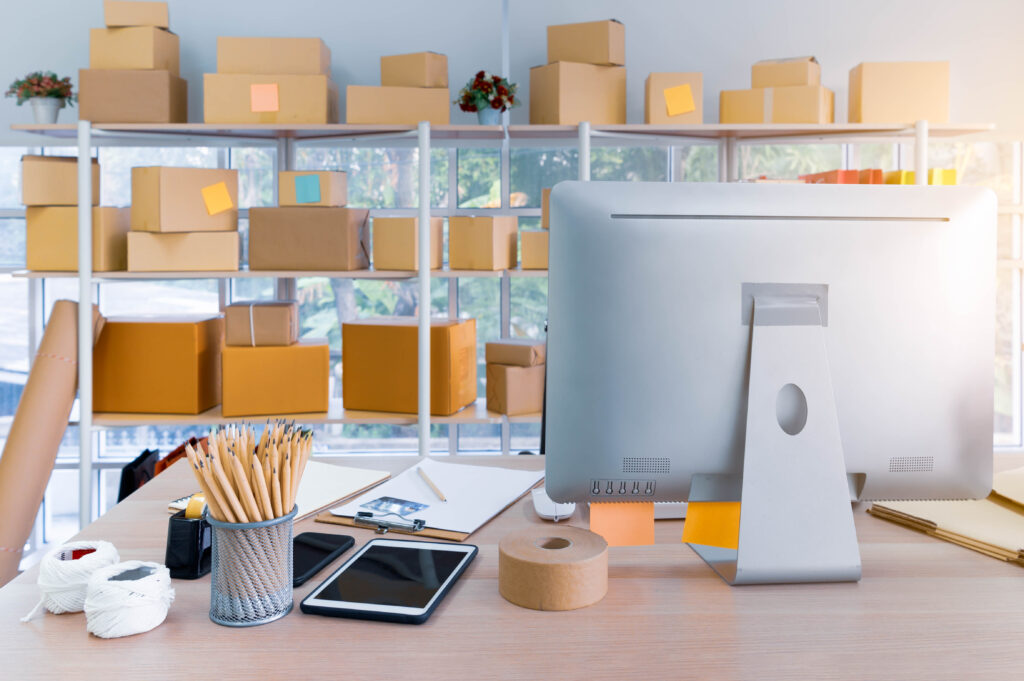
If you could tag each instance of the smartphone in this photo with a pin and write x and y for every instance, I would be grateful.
(313, 551)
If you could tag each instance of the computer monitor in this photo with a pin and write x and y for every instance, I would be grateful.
(789, 347)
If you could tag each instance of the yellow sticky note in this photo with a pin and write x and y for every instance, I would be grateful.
(679, 100)
(712, 523)
(629, 523)
(217, 198)
(263, 97)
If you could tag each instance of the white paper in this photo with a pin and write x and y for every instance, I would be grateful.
(324, 484)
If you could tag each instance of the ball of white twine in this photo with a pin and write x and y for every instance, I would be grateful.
(133, 604)
(63, 579)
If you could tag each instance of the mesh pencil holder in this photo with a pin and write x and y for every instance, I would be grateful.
(251, 571)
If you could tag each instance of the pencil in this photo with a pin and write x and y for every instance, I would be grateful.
(433, 487)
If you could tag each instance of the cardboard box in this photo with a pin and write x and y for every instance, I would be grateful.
(396, 243)
(545, 207)
(166, 199)
(785, 72)
(871, 176)
(273, 55)
(312, 239)
(367, 104)
(380, 364)
(482, 243)
(419, 69)
(522, 352)
(303, 98)
(798, 104)
(276, 379)
(118, 13)
(135, 96)
(899, 92)
(534, 245)
(833, 177)
(312, 188)
(567, 93)
(261, 322)
(53, 181)
(662, 105)
(135, 48)
(183, 252)
(591, 42)
(51, 238)
(158, 365)
(515, 390)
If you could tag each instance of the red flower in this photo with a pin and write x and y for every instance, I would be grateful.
(502, 90)
(496, 103)
(479, 75)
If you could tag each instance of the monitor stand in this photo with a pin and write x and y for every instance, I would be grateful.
(796, 520)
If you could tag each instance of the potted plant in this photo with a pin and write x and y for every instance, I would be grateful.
(47, 92)
(488, 96)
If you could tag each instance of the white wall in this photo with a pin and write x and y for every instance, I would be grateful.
(721, 38)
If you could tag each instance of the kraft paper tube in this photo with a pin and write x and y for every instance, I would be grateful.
(36, 431)
(553, 568)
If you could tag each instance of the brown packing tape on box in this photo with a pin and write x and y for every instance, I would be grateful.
(553, 567)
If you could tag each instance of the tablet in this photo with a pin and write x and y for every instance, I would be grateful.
(392, 580)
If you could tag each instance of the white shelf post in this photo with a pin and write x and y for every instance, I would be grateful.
(84, 323)
(921, 153)
(423, 384)
(584, 160)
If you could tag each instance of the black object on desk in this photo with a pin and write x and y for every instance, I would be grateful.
(313, 551)
(188, 546)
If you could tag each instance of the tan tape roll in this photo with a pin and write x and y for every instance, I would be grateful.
(553, 567)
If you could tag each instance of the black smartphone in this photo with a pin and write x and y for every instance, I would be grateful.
(313, 551)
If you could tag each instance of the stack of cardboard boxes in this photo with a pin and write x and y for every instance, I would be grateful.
(515, 376)
(782, 91)
(413, 88)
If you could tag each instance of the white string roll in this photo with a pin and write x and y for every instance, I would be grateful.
(127, 598)
(63, 579)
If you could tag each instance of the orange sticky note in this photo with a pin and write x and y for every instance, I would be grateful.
(679, 100)
(627, 523)
(217, 198)
(263, 97)
(712, 523)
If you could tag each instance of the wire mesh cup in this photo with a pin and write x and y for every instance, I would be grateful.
(251, 571)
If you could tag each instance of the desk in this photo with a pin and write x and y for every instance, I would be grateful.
(924, 609)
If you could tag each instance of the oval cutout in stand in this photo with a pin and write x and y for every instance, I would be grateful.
(791, 409)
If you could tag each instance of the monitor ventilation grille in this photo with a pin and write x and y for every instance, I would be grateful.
(642, 464)
(911, 464)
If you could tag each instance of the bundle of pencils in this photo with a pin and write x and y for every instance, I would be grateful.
(247, 481)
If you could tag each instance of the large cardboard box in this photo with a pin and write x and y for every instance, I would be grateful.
(53, 181)
(522, 352)
(798, 104)
(51, 238)
(899, 92)
(311, 239)
(167, 199)
(261, 322)
(482, 243)
(534, 245)
(276, 379)
(396, 243)
(273, 55)
(158, 365)
(136, 48)
(132, 96)
(566, 93)
(515, 390)
(419, 69)
(183, 252)
(785, 72)
(674, 99)
(312, 188)
(370, 104)
(591, 42)
(118, 13)
(379, 364)
(299, 98)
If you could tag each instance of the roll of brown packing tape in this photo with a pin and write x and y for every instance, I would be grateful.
(553, 568)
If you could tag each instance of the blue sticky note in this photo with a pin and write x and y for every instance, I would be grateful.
(307, 189)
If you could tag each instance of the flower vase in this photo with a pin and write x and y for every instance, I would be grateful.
(45, 109)
(489, 116)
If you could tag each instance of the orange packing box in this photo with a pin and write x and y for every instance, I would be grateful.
(312, 188)
(566, 93)
(184, 199)
(183, 252)
(419, 69)
(53, 181)
(795, 104)
(158, 365)
(261, 322)
(785, 72)
(591, 42)
(371, 104)
(482, 243)
(269, 98)
(674, 99)
(899, 92)
(396, 243)
(523, 352)
(534, 246)
(118, 13)
(135, 47)
(273, 55)
(309, 238)
(276, 379)
(379, 364)
(132, 96)
(833, 177)
(515, 390)
(51, 238)
(872, 176)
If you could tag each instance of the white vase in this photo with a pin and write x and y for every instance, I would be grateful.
(45, 109)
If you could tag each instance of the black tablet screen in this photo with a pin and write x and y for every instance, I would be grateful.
(389, 575)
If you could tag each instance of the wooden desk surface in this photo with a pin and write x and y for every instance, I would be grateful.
(924, 609)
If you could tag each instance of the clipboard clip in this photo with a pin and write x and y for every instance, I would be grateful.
(383, 526)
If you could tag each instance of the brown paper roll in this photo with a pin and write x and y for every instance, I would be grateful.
(553, 567)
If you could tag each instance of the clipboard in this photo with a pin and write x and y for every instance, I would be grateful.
(434, 533)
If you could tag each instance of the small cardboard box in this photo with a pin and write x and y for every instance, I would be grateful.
(899, 92)
(269, 98)
(545, 208)
(51, 238)
(132, 96)
(535, 250)
(53, 181)
(521, 352)
(798, 104)
(591, 42)
(419, 69)
(566, 93)
(368, 104)
(312, 188)
(273, 55)
(833, 177)
(276, 379)
(120, 13)
(379, 364)
(135, 48)
(261, 322)
(785, 72)
(674, 99)
(183, 252)
(166, 199)
(515, 390)
(482, 243)
(396, 243)
(158, 365)
(311, 239)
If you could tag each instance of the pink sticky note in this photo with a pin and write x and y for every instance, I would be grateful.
(263, 97)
